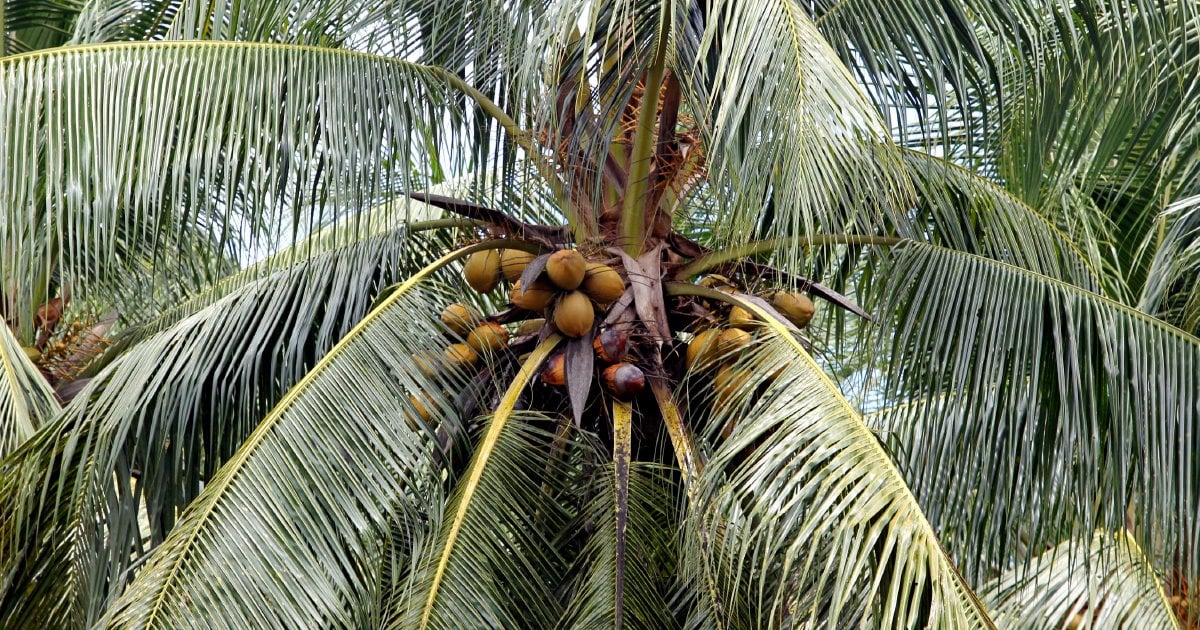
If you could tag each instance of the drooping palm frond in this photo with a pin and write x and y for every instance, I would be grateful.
(646, 554)
(201, 153)
(271, 544)
(33, 24)
(1172, 290)
(1100, 133)
(814, 523)
(1106, 584)
(1047, 408)
(26, 400)
(199, 386)
(787, 128)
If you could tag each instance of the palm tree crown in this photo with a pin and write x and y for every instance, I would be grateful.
(564, 313)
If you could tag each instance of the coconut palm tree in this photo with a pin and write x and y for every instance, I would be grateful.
(658, 313)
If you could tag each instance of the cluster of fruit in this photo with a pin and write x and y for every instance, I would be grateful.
(623, 379)
(718, 346)
(568, 290)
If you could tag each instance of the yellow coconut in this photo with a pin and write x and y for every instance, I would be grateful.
(536, 298)
(573, 316)
(704, 347)
(488, 337)
(797, 307)
(460, 354)
(603, 284)
(459, 318)
(483, 270)
(513, 263)
(741, 318)
(566, 268)
(732, 340)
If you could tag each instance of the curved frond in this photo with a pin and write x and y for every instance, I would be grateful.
(1035, 408)
(815, 524)
(204, 153)
(647, 554)
(270, 544)
(475, 541)
(1107, 584)
(794, 146)
(194, 386)
(26, 400)
(1172, 291)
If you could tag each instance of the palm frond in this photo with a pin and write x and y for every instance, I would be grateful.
(1106, 583)
(268, 544)
(1172, 290)
(1101, 131)
(26, 400)
(203, 153)
(815, 524)
(786, 126)
(1036, 408)
(647, 554)
(928, 65)
(193, 387)
(473, 545)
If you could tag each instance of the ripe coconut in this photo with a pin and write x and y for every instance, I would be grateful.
(424, 408)
(704, 347)
(488, 337)
(573, 316)
(459, 318)
(797, 307)
(729, 381)
(427, 363)
(555, 372)
(535, 298)
(624, 380)
(483, 270)
(530, 326)
(732, 340)
(741, 318)
(566, 268)
(460, 354)
(611, 345)
(603, 284)
(513, 263)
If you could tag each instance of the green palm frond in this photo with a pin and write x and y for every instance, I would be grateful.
(648, 554)
(786, 126)
(1107, 584)
(1048, 408)
(1172, 290)
(27, 25)
(815, 524)
(202, 153)
(1103, 131)
(371, 463)
(192, 386)
(26, 400)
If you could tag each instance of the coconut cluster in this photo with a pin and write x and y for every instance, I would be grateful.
(479, 337)
(620, 377)
(717, 347)
(568, 292)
